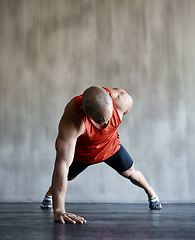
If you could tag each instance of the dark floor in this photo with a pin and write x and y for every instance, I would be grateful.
(104, 221)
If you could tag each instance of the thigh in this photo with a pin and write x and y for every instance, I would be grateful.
(120, 161)
(76, 168)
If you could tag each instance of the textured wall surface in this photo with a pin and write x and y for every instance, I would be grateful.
(52, 50)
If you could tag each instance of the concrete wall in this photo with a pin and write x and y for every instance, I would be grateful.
(52, 50)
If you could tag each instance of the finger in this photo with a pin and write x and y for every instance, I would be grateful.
(84, 221)
(62, 220)
(74, 217)
(68, 219)
(77, 218)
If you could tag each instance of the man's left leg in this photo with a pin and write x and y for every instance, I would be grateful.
(137, 178)
(122, 162)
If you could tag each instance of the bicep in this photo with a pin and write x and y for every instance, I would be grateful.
(65, 150)
(66, 140)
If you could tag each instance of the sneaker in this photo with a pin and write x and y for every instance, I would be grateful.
(154, 204)
(47, 202)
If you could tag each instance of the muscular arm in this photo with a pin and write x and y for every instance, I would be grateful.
(64, 156)
(122, 100)
(70, 128)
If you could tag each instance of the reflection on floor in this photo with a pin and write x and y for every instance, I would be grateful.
(104, 221)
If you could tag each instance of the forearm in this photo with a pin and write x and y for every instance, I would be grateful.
(59, 186)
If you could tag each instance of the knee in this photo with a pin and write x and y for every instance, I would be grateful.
(71, 178)
(133, 175)
(133, 178)
(130, 173)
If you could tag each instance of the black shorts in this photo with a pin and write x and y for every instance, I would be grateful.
(120, 161)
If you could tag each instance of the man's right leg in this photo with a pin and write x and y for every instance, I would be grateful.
(47, 200)
(74, 170)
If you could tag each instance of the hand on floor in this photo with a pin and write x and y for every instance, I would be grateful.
(68, 217)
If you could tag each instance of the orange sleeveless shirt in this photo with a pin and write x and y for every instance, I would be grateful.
(96, 144)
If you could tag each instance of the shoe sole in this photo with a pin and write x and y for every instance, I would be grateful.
(158, 208)
(45, 207)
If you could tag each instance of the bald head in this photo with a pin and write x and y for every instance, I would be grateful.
(97, 104)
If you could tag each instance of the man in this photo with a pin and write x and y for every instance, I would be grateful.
(88, 135)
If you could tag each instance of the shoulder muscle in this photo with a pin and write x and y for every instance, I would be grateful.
(71, 123)
(122, 100)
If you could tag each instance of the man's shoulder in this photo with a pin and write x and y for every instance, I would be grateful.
(122, 100)
(117, 91)
(70, 108)
(119, 95)
(71, 115)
